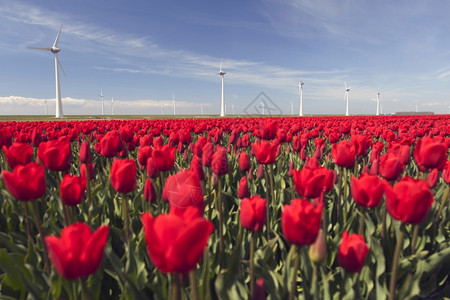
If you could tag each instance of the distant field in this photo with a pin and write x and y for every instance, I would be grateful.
(123, 117)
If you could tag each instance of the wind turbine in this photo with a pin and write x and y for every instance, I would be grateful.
(378, 103)
(232, 108)
(162, 109)
(46, 109)
(262, 106)
(54, 49)
(201, 108)
(103, 102)
(222, 107)
(173, 103)
(112, 106)
(292, 107)
(300, 87)
(347, 90)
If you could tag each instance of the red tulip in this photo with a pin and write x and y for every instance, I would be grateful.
(144, 153)
(368, 190)
(430, 152)
(409, 200)
(111, 144)
(25, 183)
(91, 169)
(265, 153)
(182, 190)
(78, 252)
(259, 293)
(446, 172)
(361, 144)
(352, 252)
(391, 166)
(163, 158)
(85, 153)
(149, 191)
(197, 167)
(400, 150)
(311, 183)
(432, 178)
(72, 189)
(344, 154)
(55, 155)
(18, 154)
(219, 163)
(300, 222)
(243, 188)
(176, 243)
(253, 213)
(244, 162)
(268, 129)
(207, 153)
(151, 170)
(123, 175)
(5, 137)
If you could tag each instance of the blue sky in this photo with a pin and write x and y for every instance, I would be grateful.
(142, 52)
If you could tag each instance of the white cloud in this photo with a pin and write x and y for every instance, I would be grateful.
(16, 105)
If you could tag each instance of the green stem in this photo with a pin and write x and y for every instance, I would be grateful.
(342, 291)
(176, 288)
(86, 294)
(126, 218)
(393, 281)
(383, 225)
(88, 191)
(361, 220)
(252, 264)
(414, 239)
(268, 200)
(220, 208)
(41, 235)
(344, 202)
(445, 197)
(209, 192)
(66, 215)
(314, 287)
(74, 291)
(193, 283)
(271, 184)
(293, 290)
(339, 193)
(27, 222)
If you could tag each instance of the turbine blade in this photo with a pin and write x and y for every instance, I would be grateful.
(59, 64)
(55, 44)
(39, 48)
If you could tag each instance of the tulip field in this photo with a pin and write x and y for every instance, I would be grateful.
(230, 208)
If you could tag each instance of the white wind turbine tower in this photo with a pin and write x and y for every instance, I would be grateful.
(378, 103)
(46, 109)
(54, 49)
(232, 108)
(292, 107)
(112, 106)
(201, 108)
(347, 90)
(300, 87)
(222, 107)
(262, 106)
(173, 103)
(103, 102)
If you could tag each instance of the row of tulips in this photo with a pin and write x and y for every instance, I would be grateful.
(226, 208)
